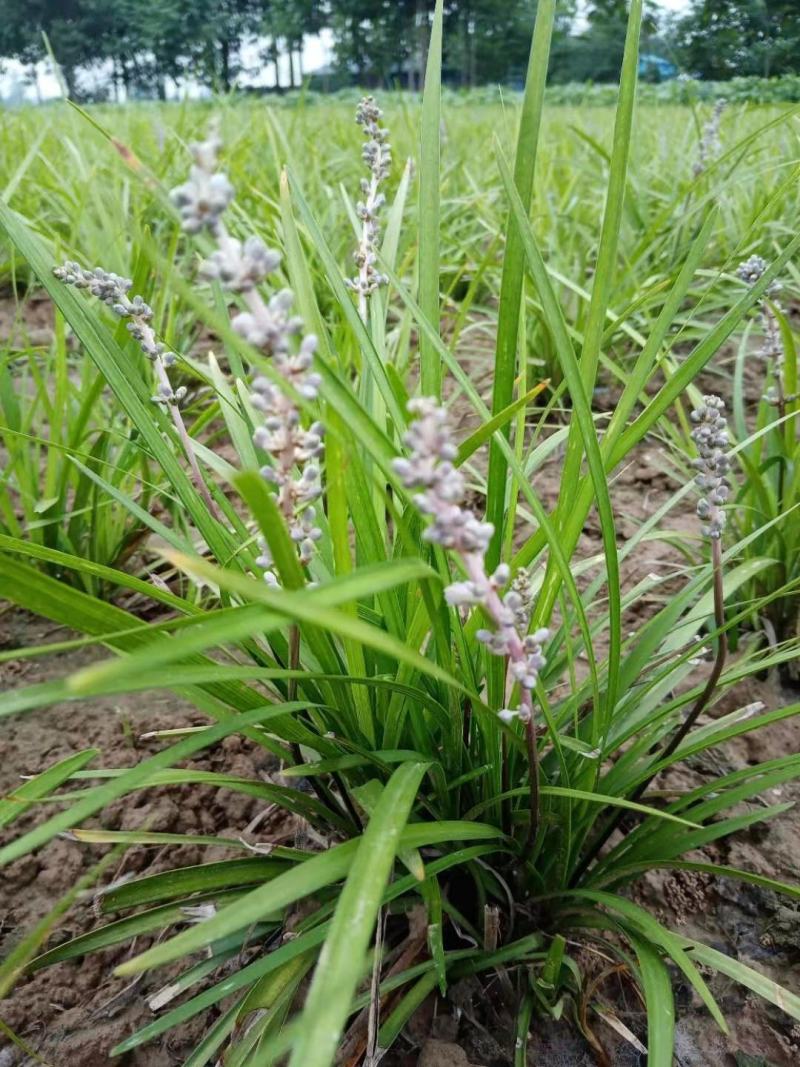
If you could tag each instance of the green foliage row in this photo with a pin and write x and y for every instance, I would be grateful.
(737, 90)
(724, 40)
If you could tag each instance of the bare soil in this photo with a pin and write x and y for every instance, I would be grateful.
(75, 1012)
(26, 325)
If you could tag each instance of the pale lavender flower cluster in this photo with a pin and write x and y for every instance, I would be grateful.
(750, 270)
(772, 346)
(378, 158)
(294, 450)
(430, 467)
(240, 266)
(268, 325)
(710, 144)
(113, 290)
(711, 437)
(202, 199)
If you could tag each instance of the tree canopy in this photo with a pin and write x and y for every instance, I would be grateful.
(142, 45)
(721, 39)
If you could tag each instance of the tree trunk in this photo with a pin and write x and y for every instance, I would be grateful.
(35, 79)
(225, 64)
(411, 69)
(357, 51)
(473, 58)
(465, 47)
(70, 77)
(292, 81)
(273, 51)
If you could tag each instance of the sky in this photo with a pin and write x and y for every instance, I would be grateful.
(317, 53)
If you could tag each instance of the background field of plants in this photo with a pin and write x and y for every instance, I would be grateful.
(564, 279)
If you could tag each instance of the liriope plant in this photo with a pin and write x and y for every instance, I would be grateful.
(435, 676)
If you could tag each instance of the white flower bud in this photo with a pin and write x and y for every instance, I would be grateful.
(711, 438)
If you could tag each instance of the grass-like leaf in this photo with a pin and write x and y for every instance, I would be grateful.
(340, 966)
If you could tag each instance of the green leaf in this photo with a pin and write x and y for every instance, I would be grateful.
(759, 983)
(583, 795)
(479, 437)
(213, 1040)
(691, 365)
(432, 895)
(272, 961)
(308, 939)
(199, 878)
(309, 606)
(97, 570)
(717, 869)
(267, 1005)
(513, 265)
(116, 932)
(341, 961)
(345, 302)
(294, 800)
(429, 185)
(37, 592)
(14, 804)
(115, 365)
(660, 1004)
(303, 881)
(584, 426)
(393, 1025)
(273, 526)
(522, 1027)
(734, 578)
(99, 798)
(643, 923)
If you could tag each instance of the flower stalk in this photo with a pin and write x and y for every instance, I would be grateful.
(712, 465)
(378, 157)
(772, 350)
(430, 467)
(711, 437)
(268, 325)
(710, 144)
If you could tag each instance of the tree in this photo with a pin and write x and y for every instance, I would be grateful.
(375, 41)
(385, 41)
(147, 43)
(215, 31)
(595, 54)
(489, 41)
(289, 22)
(66, 23)
(723, 38)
